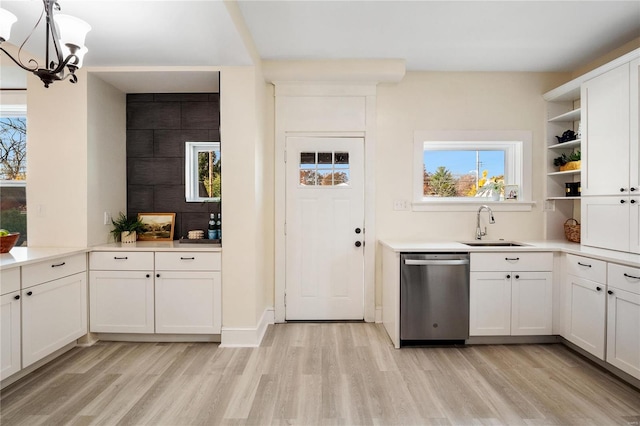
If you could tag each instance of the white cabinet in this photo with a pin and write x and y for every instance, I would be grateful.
(54, 314)
(155, 292)
(511, 294)
(121, 292)
(605, 125)
(623, 318)
(10, 361)
(188, 292)
(585, 304)
(611, 170)
(605, 222)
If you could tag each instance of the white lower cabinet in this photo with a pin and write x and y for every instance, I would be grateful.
(185, 302)
(623, 319)
(155, 292)
(10, 331)
(121, 301)
(54, 314)
(511, 294)
(510, 304)
(585, 303)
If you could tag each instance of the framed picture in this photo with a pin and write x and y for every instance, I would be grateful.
(511, 193)
(157, 226)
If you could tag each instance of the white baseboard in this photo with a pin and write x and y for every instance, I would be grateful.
(378, 314)
(249, 337)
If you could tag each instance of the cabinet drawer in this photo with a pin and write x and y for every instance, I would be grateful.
(121, 261)
(188, 261)
(624, 278)
(512, 261)
(43, 272)
(9, 280)
(584, 267)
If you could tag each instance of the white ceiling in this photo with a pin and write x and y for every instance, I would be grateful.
(430, 35)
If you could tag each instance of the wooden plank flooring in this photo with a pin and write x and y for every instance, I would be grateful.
(319, 374)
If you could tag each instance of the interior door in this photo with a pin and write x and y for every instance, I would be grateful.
(324, 228)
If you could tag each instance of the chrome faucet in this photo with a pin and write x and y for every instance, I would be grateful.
(479, 233)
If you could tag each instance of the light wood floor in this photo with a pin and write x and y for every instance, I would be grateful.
(319, 374)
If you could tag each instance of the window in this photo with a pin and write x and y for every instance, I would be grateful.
(324, 168)
(467, 168)
(202, 171)
(13, 174)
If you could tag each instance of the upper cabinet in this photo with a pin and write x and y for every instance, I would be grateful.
(611, 176)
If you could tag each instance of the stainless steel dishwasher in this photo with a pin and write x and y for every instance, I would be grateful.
(434, 297)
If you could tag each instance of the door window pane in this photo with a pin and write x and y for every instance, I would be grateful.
(324, 168)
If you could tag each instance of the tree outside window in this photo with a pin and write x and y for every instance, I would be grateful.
(13, 175)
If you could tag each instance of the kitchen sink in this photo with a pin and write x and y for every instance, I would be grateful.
(481, 243)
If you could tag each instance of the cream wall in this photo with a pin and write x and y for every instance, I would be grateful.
(57, 163)
(106, 157)
(455, 101)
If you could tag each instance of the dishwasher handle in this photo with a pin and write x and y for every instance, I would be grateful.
(414, 262)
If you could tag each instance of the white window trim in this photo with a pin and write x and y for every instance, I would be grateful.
(467, 139)
(191, 169)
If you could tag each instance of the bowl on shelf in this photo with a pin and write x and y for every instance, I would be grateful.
(8, 241)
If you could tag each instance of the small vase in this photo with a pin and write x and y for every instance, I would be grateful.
(495, 195)
(128, 237)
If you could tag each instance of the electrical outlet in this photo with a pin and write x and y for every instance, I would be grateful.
(107, 218)
(400, 205)
(549, 206)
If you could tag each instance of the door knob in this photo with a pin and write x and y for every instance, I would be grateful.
(622, 201)
(17, 297)
(358, 230)
(29, 293)
(633, 201)
(358, 243)
(598, 289)
(622, 189)
(609, 291)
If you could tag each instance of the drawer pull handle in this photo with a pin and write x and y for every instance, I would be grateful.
(29, 293)
(58, 264)
(187, 258)
(631, 276)
(120, 258)
(511, 258)
(584, 264)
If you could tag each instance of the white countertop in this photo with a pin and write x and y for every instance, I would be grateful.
(561, 246)
(157, 246)
(21, 256)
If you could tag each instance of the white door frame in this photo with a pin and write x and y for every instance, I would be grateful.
(282, 131)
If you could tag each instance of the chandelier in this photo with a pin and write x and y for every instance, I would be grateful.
(64, 44)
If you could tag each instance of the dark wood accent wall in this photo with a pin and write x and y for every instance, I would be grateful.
(158, 125)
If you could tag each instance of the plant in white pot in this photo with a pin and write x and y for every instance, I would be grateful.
(492, 189)
(126, 229)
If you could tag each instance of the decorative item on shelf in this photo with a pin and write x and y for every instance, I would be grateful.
(568, 162)
(126, 229)
(567, 136)
(579, 132)
(511, 192)
(195, 235)
(492, 189)
(8, 240)
(157, 226)
(572, 189)
(64, 36)
(572, 230)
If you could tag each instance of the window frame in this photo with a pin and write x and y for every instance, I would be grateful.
(191, 170)
(517, 148)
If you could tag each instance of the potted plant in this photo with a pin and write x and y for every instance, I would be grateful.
(568, 162)
(126, 229)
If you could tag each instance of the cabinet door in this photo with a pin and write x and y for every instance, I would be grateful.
(634, 143)
(531, 303)
(490, 304)
(121, 301)
(54, 314)
(188, 302)
(605, 125)
(634, 225)
(587, 320)
(9, 334)
(623, 337)
(605, 222)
